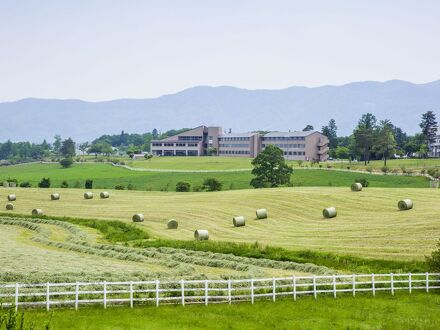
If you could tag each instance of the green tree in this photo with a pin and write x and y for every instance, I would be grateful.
(385, 144)
(308, 128)
(44, 183)
(330, 131)
(83, 147)
(342, 153)
(68, 148)
(183, 186)
(57, 144)
(212, 184)
(270, 168)
(429, 126)
(66, 162)
(364, 135)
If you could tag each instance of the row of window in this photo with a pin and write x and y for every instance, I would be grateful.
(234, 152)
(238, 138)
(177, 153)
(238, 145)
(155, 144)
(294, 153)
(281, 138)
(286, 145)
(190, 138)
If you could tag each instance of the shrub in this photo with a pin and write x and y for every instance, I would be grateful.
(197, 188)
(130, 187)
(363, 181)
(12, 180)
(183, 186)
(212, 184)
(369, 168)
(77, 184)
(25, 184)
(64, 184)
(66, 162)
(44, 183)
(89, 184)
(403, 168)
(348, 168)
(148, 156)
(434, 172)
(119, 187)
(384, 169)
(300, 162)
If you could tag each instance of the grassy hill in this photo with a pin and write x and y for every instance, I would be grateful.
(368, 223)
(106, 176)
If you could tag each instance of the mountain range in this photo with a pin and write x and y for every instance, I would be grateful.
(292, 108)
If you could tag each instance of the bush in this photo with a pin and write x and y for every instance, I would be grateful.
(212, 184)
(433, 172)
(183, 186)
(66, 162)
(369, 168)
(148, 156)
(64, 184)
(25, 184)
(89, 184)
(384, 169)
(119, 187)
(130, 187)
(44, 183)
(403, 168)
(363, 181)
(77, 184)
(197, 188)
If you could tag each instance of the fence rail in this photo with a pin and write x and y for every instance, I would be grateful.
(208, 291)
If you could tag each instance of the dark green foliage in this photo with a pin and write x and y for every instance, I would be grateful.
(433, 260)
(212, 184)
(66, 162)
(44, 183)
(270, 169)
(64, 184)
(25, 184)
(429, 126)
(67, 149)
(130, 187)
(183, 186)
(119, 187)
(363, 181)
(89, 184)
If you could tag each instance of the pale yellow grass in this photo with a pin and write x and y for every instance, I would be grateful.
(368, 222)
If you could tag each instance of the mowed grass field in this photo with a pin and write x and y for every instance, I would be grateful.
(403, 311)
(106, 176)
(368, 223)
(193, 163)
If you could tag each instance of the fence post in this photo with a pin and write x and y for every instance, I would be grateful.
(157, 293)
(409, 282)
(334, 286)
(131, 294)
(47, 296)
(76, 295)
(392, 283)
(105, 294)
(274, 290)
(373, 286)
(427, 282)
(16, 296)
(229, 292)
(294, 287)
(182, 286)
(252, 290)
(206, 292)
(354, 285)
(314, 287)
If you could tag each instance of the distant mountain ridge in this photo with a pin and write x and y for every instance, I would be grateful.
(291, 108)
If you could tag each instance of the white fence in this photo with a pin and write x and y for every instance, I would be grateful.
(208, 291)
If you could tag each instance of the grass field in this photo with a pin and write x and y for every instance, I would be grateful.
(193, 163)
(106, 176)
(368, 223)
(403, 311)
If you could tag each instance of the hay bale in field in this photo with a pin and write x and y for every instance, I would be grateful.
(12, 184)
(201, 235)
(261, 214)
(88, 195)
(55, 196)
(9, 206)
(104, 194)
(37, 212)
(405, 204)
(138, 217)
(356, 186)
(12, 197)
(6, 184)
(238, 221)
(172, 224)
(329, 212)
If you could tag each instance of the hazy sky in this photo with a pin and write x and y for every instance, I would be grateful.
(97, 50)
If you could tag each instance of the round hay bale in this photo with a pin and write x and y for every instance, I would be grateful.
(329, 212)
(6, 184)
(12, 184)
(238, 221)
(37, 212)
(201, 235)
(356, 186)
(12, 197)
(138, 217)
(172, 224)
(261, 214)
(405, 204)
(104, 194)
(55, 196)
(88, 195)
(9, 206)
